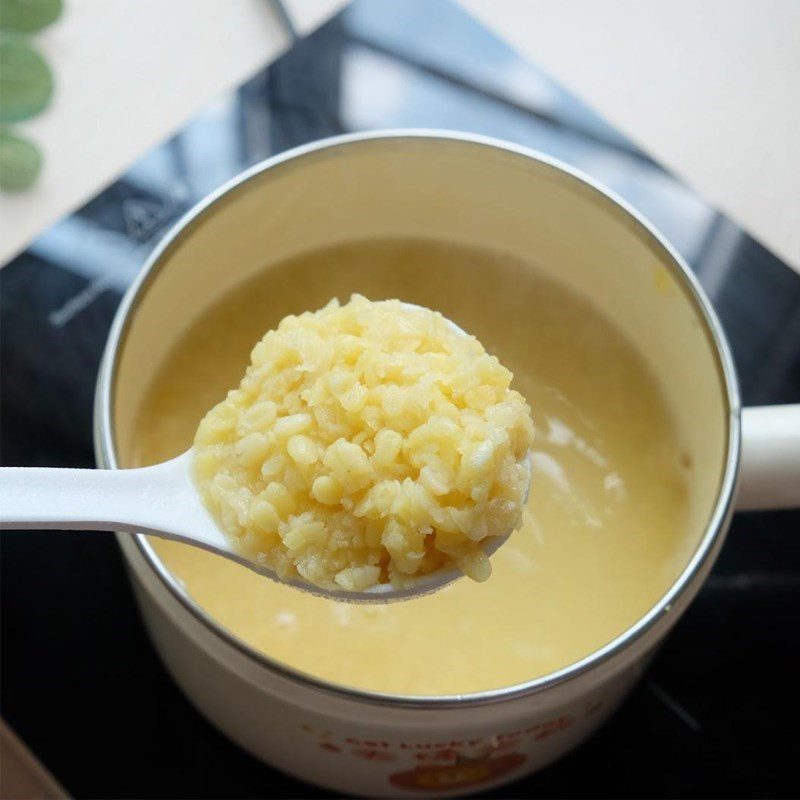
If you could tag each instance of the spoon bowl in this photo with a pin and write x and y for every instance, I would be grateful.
(163, 501)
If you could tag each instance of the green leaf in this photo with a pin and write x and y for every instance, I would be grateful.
(27, 16)
(26, 82)
(20, 162)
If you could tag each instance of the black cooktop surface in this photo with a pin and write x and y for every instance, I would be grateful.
(716, 713)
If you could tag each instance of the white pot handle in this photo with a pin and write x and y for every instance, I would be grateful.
(770, 468)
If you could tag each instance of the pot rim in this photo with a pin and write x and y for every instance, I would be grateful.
(706, 548)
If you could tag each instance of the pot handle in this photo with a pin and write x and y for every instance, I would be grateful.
(770, 468)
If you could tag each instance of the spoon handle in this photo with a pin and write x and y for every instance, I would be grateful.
(132, 500)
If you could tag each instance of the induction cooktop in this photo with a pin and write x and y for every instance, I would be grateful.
(81, 683)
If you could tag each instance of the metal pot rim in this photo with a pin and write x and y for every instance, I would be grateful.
(715, 528)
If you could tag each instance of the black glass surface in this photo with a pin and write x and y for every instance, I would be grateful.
(716, 713)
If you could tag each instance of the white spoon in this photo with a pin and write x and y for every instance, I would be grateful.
(163, 501)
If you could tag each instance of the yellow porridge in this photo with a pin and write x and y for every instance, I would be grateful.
(367, 443)
(605, 531)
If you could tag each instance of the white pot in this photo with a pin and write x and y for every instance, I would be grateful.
(472, 191)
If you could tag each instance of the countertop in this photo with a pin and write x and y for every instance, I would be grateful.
(707, 88)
